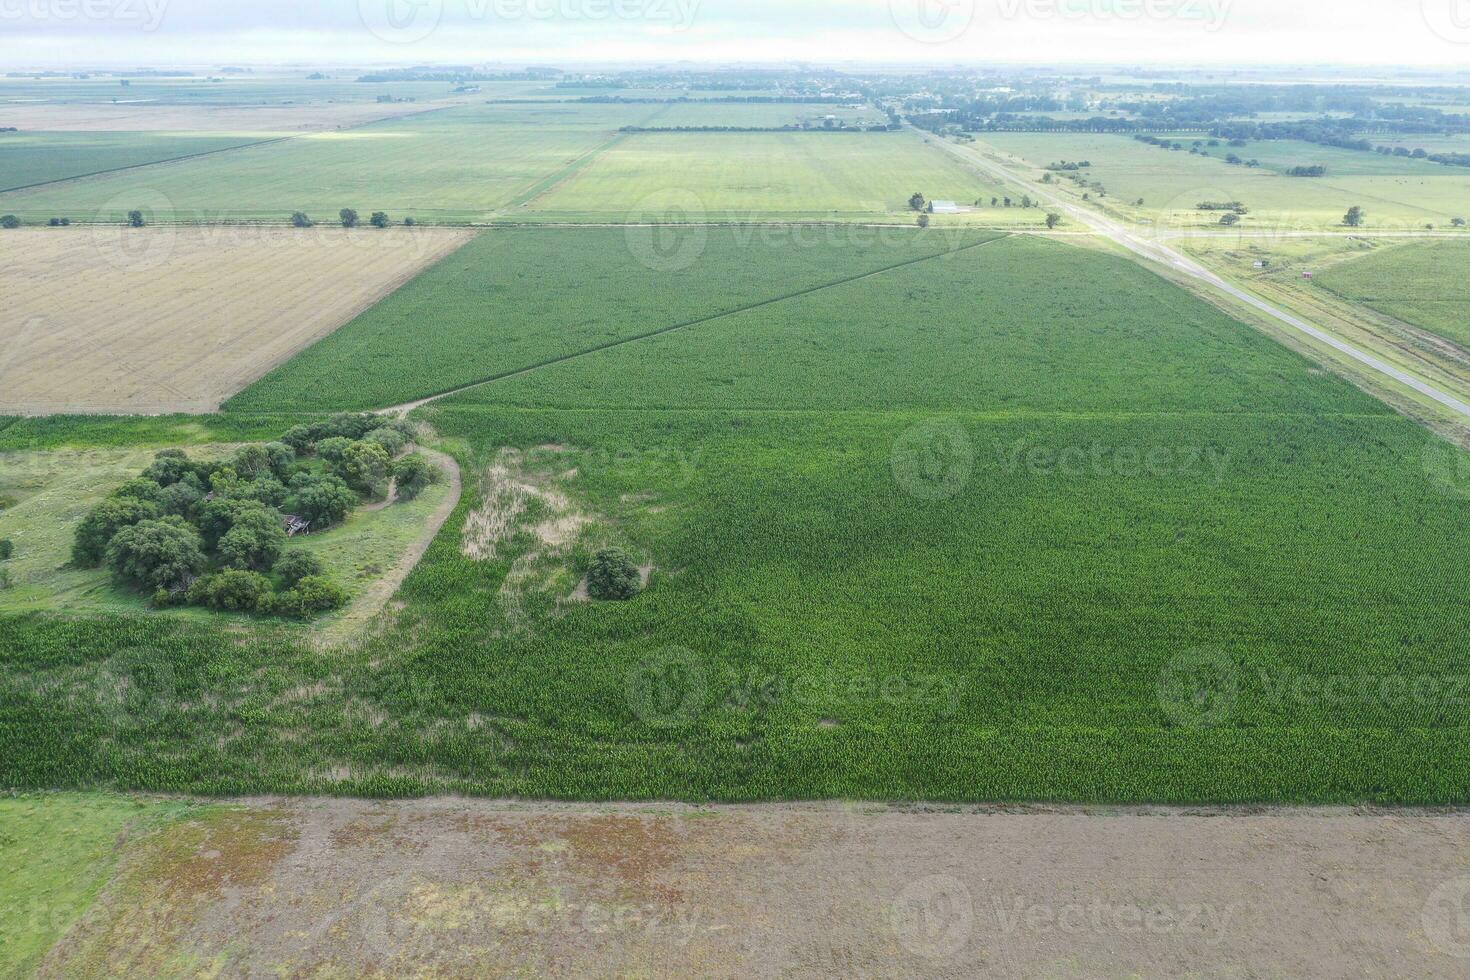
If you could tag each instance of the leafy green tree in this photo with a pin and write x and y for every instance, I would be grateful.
(923, 220)
(297, 564)
(136, 219)
(140, 488)
(103, 522)
(389, 438)
(379, 220)
(1457, 222)
(299, 438)
(1354, 217)
(9, 221)
(254, 542)
(7, 549)
(300, 220)
(169, 467)
(182, 499)
(613, 577)
(282, 457)
(917, 202)
(1053, 219)
(156, 554)
(365, 467)
(250, 461)
(333, 450)
(324, 501)
(349, 218)
(412, 475)
(1230, 219)
(219, 516)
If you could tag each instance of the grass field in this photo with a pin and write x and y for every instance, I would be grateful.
(1022, 523)
(745, 176)
(1396, 193)
(167, 319)
(60, 851)
(512, 300)
(34, 158)
(758, 114)
(1422, 283)
(454, 165)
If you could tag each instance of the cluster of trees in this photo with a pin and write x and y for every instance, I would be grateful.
(351, 219)
(1234, 206)
(1067, 165)
(214, 534)
(1313, 171)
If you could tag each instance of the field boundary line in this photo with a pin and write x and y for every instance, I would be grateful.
(407, 407)
(150, 163)
(545, 185)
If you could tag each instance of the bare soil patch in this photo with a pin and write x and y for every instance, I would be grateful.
(178, 319)
(458, 888)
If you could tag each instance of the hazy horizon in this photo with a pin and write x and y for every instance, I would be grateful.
(1160, 33)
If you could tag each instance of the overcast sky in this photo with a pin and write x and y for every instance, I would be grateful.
(202, 32)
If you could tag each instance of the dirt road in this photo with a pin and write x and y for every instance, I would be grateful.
(465, 888)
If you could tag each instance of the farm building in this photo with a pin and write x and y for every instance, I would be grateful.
(943, 207)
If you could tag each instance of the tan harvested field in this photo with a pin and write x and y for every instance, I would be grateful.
(111, 320)
(463, 888)
(266, 120)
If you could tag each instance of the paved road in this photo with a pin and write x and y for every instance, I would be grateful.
(1155, 251)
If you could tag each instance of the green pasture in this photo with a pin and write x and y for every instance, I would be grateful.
(1422, 283)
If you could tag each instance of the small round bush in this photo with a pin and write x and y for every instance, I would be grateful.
(232, 591)
(614, 577)
(297, 564)
(312, 595)
(9, 221)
